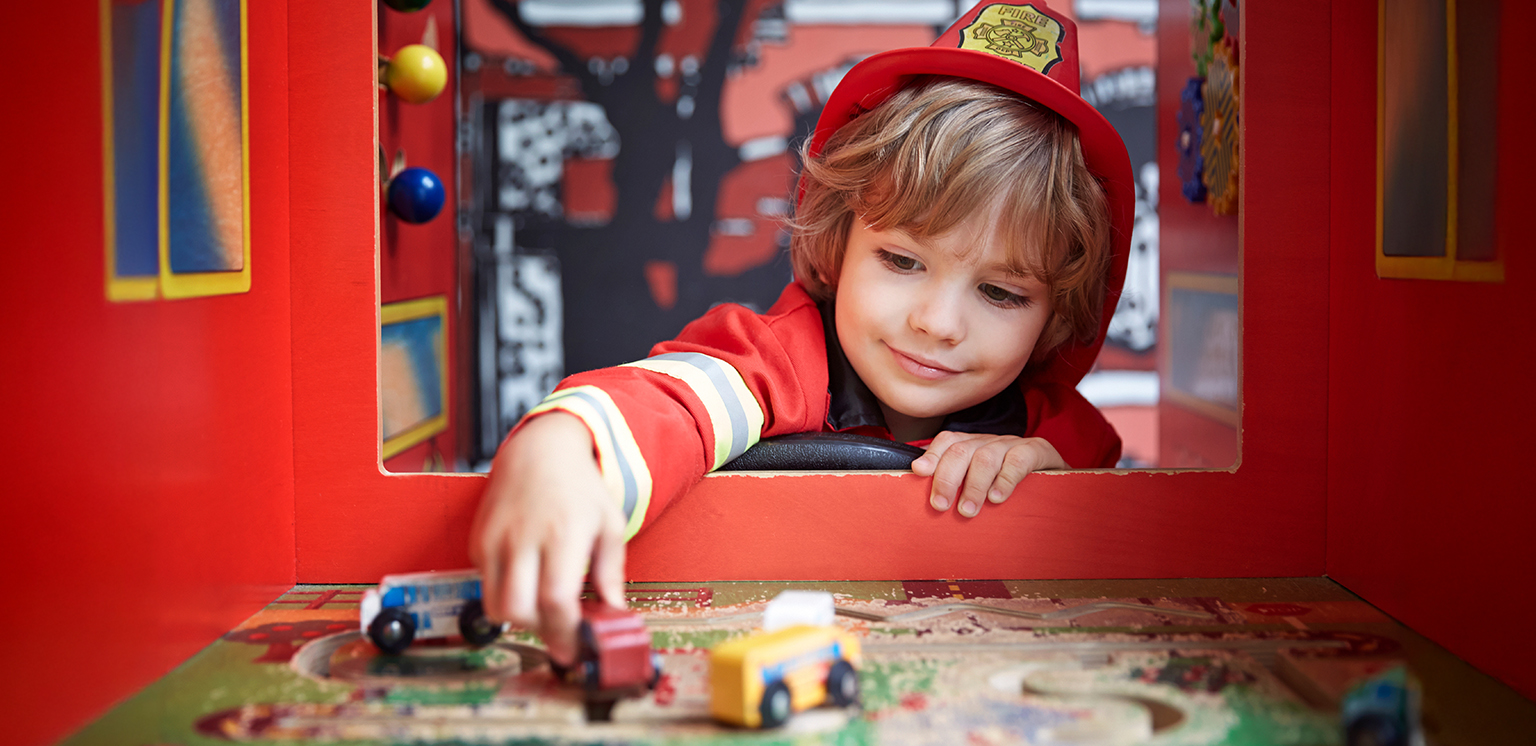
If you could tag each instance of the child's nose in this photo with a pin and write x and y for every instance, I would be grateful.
(938, 314)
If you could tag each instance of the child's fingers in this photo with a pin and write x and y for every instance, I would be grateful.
(949, 473)
(518, 587)
(1021, 459)
(925, 464)
(987, 462)
(488, 559)
(560, 600)
(608, 566)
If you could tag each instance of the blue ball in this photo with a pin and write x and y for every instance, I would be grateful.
(416, 195)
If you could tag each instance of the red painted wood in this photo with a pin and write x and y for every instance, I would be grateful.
(148, 506)
(1430, 511)
(355, 523)
(879, 527)
(1202, 443)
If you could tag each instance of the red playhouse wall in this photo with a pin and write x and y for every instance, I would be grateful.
(1430, 513)
(355, 522)
(211, 477)
(149, 503)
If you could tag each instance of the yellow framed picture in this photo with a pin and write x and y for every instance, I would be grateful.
(130, 112)
(1437, 140)
(1205, 360)
(204, 149)
(413, 372)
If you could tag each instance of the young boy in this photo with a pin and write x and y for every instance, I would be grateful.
(959, 244)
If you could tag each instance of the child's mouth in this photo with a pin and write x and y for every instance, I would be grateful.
(922, 367)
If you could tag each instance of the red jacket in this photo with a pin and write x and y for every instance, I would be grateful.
(734, 376)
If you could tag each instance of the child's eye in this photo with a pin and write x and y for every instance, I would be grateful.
(899, 262)
(1004, 298)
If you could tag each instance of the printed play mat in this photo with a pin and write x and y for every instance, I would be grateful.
(943, 662)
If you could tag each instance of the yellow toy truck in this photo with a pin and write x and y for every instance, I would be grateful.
(759, 680)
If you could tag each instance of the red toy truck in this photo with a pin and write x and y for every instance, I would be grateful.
(613, 658)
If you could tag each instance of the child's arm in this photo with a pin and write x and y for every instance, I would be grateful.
(545, 515)
(611, 448)
(972, 469)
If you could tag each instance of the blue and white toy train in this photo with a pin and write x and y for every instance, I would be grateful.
(422, 605)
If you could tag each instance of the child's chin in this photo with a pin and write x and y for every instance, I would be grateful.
(922, 408)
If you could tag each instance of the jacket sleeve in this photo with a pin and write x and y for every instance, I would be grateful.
(729, 379)
(1077, 429)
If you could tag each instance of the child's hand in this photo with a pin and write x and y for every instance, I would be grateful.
(974, 468)
(544, 516)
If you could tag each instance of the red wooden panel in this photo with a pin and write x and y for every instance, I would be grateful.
(149, 506)
(355, 524)
(879, 527)
(1202, 442)
(1430, 510)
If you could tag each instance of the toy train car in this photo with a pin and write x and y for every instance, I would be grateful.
(422, 605)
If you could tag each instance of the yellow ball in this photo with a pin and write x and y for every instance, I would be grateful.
(416, 73)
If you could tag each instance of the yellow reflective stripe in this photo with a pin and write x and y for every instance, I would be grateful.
(735, 417)
(618, 455)
(696, 379)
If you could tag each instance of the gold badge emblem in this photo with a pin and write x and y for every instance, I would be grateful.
(1016, 32)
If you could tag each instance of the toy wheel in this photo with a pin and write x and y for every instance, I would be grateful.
(392, 631)
(843, 684)
(590, 675)
(478, 631)
(586, 641)
(775, 706)
(1375, 730)
(600, 711)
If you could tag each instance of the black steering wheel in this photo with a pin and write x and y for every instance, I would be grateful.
(825, 452)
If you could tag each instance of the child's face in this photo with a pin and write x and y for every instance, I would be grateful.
(934, 326)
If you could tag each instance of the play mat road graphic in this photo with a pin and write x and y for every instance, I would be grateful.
(981, 662)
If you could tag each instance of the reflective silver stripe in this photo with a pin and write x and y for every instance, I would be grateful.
(630, 490)
(625, 474)
(741, 433)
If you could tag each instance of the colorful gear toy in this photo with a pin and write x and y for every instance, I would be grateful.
(1221, 145)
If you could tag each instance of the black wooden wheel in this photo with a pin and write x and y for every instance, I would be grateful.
(599, 710)
(842, 684)
(775, 707)
(591, 675)
(478, 631)
(392, 630)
